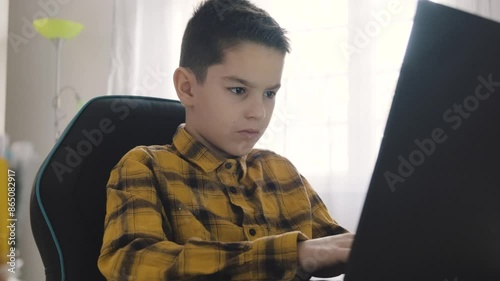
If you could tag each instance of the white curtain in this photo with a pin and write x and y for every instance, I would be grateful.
(146, 46)
(338, 82)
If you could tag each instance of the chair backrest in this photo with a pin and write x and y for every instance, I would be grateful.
(68, 197)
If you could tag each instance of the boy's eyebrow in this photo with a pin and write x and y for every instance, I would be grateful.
(247, 83)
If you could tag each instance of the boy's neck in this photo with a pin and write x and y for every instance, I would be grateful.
(217, 152)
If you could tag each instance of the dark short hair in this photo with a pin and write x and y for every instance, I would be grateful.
(217, 25)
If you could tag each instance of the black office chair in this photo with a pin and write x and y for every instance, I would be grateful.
(67, 205)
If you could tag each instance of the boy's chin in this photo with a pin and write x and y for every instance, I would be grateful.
(241, 150)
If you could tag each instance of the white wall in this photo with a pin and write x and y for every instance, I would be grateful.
(31, 65)
(31, 81)
(4, 20)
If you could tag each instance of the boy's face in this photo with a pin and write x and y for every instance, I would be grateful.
(230, 111)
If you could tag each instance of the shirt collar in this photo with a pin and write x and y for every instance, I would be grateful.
(197, 153)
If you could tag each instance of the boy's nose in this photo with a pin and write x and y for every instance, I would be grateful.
(256, 108)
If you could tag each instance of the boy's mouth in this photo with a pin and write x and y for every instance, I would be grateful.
(249, 133)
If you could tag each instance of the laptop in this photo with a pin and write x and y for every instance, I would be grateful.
(432, 210)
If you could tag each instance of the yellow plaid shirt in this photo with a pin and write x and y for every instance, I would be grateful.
(180, 212)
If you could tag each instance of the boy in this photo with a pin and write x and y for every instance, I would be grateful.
(209, 206)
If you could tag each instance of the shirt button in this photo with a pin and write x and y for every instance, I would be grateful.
(233, 189)
(252, 231)
(228, 166)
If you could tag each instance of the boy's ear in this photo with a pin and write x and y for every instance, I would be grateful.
(184, 81)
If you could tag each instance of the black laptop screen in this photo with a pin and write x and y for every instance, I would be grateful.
(432, 211)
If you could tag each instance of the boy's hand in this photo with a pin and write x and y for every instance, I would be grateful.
(326, 256)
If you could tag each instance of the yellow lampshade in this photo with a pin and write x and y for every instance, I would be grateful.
(57, 28)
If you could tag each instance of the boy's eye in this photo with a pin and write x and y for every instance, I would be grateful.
(270, 94)
(237, 90)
